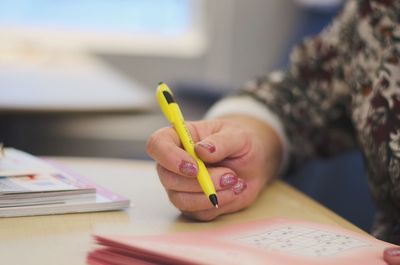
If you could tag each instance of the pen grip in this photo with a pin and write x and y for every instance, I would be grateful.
(203, 176)
(183, 132)
(185, 137)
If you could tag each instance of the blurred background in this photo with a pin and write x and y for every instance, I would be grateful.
(78, 77)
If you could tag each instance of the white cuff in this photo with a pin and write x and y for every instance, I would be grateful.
(248, 106)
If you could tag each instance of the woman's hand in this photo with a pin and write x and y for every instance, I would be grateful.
(242, 153)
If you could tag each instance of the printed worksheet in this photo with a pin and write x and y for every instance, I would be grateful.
(273, 241)
(303, 241)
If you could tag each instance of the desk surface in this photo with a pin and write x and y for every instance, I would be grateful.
(66, 239)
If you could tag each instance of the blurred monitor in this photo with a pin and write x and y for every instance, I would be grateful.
(156, 27)
(46, 46)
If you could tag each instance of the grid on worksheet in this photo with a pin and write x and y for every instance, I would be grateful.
(302, 241)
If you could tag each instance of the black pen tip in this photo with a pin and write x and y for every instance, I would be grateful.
(214, 200)
(160, 83)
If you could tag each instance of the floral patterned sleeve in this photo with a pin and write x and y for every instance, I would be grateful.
(312, 98)
(342, 89)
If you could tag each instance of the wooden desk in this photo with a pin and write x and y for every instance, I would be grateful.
(66, 239)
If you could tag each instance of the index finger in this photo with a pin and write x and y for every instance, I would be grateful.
(164, 147)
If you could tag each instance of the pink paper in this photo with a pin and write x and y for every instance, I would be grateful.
(267, 242)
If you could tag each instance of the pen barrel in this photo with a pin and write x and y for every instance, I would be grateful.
(182, 131)
(203, 176)
(204, 179)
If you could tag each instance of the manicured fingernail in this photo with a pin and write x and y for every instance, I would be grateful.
(208, 146)
(239, 186)
(228, 180)
(392, 252)
(188, 168)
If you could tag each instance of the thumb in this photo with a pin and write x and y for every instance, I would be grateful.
(226, 143)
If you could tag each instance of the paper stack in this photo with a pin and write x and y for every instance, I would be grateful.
(32, 186)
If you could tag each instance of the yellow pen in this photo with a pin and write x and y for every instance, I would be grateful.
(174, 115)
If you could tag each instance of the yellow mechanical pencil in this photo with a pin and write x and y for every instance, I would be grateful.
(174, 115)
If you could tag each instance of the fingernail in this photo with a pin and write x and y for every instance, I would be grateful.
(188, 168)
(208, 146)
(228, 180)
(392, 252)
(239, 186)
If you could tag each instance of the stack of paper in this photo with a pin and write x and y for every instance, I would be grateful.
(267, 242)
(31, 186)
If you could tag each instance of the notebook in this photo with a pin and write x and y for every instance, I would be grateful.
(33, 186)
(267, 242)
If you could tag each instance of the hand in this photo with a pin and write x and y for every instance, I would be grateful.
(392, 256)
(241, 153)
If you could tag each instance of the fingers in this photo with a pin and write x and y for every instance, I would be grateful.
(223, 178)
(195, 202)
(240, 202)
(212, 213)
(197, 206)
(392, 256)
(229, 142)
(190, 202)
(214, 143)
(164, 147)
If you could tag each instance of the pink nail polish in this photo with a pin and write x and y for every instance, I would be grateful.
(393, 252)
(208, 146)
(228, 180)
(188, 168)
(239, 186)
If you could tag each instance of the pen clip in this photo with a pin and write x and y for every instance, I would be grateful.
(165, 97)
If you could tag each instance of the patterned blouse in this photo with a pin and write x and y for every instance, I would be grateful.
(342, 90)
